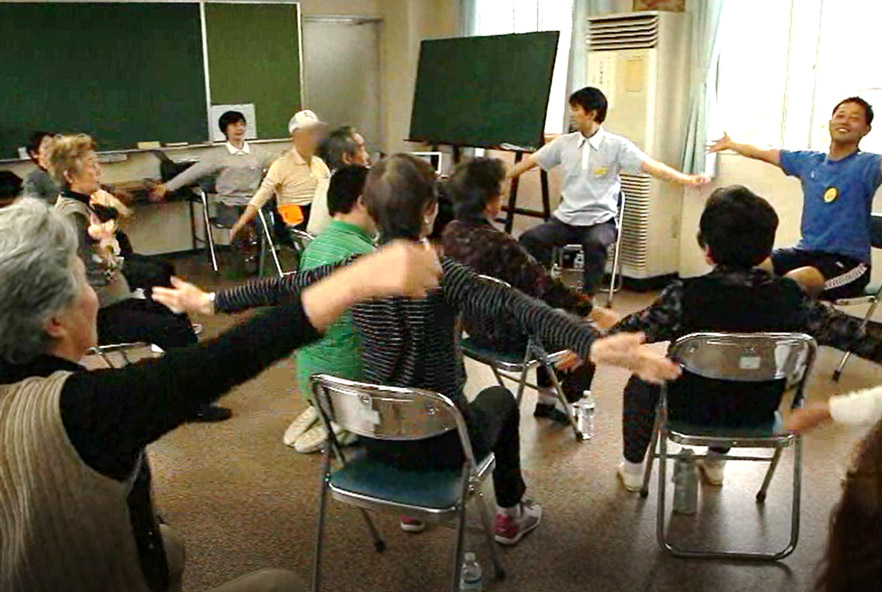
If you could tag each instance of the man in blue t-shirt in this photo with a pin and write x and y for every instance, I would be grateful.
(832, 260)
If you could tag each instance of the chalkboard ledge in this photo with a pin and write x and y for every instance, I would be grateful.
(163, 148)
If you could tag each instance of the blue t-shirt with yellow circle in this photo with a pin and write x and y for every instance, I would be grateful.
(838, 199)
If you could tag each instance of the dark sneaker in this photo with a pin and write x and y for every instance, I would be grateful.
(212, 413)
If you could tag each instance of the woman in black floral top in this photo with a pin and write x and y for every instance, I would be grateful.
(471, 239)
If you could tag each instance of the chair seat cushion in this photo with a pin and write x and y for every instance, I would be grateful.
(428, 488)
(486, 354)
(761, 430)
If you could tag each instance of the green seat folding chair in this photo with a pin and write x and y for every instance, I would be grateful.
(402, 415)
(747, 359)
(872, 293)
(514, 367)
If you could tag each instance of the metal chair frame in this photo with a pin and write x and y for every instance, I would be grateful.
(534, 356)
(615, 279)
(400, 414)
(872, 296)
(104, 351)
(746, 358)
(300, 238)
(873, 300)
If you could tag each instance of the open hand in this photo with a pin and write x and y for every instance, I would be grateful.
(157, 192)
(698, 180)
(810, 416)
(183, 297)
(605, 318)
(626, 350)
(724, 143)
(401, 268)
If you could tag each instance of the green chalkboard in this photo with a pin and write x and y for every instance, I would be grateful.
(122, 72)
(254, 57)
(484, 91)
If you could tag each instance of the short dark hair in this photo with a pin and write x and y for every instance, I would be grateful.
(229, 118)
(398, 191)
(339, 142)
(738, 227)
(34, 142)
(347, 185)
(473, 184)
(868, 108)
(590, 99)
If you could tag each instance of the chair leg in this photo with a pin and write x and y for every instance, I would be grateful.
(270, 245)
(497, 375)
(208, 236)
(320, 528)
(555, 383)
(486, 520)
(761, 494)
(105, 358)
(522, 383)
(379, 543)
(650, 457)
(460, 531)
(660, 528)
(616, 270)
(797, 499)
(837, 374)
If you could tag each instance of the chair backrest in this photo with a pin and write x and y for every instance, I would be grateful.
(301, 236)
(784, 358)
(386, 412)
(876, 230)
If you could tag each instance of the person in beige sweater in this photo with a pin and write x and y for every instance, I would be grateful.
(296, 178)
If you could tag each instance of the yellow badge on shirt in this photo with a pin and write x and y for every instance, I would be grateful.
(831, 194)
(600, 171)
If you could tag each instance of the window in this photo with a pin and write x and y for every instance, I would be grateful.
(501, 17)
(778, 86)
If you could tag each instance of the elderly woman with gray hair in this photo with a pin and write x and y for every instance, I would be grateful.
(75, 507)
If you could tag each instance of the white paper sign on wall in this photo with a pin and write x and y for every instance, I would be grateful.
(246, 109)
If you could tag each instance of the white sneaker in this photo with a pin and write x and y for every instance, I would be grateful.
(633, 482)
(300, 426)
(317, 436)
(713, 470)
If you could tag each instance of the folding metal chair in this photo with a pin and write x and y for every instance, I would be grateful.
(403, 415)
(515, 368)
(576, 252)
(105, 351)
(202, 192)
(744, 358)
(872, 293)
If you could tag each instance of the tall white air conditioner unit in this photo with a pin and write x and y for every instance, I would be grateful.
(640, 60)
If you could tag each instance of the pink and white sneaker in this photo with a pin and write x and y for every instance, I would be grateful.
(411, 524)
(510, 530)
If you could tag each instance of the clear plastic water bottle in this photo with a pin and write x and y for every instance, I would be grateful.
(471, 578)
(685, 483)
(584, 413)
(579, 261)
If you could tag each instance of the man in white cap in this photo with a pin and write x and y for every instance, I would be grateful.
(296, 177)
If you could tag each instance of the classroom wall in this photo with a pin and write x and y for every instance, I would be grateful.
(166, 227)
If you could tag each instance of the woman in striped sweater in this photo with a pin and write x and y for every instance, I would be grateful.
(414, 343)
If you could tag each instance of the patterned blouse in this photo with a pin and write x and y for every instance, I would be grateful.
(414, 343)
(490, 251)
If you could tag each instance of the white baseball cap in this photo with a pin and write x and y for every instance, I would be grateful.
(304, 119)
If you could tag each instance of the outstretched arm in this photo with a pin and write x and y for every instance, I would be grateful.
(769, 155)
(522, 167)
(557, 330)
(660, 170)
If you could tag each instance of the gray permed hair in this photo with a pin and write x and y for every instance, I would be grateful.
(37, 277)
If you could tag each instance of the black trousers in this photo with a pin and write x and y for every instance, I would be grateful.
(136, 319)
(595, 240)
(493, 422)
(573, 384)
(638, 418)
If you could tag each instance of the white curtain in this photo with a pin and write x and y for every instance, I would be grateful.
(702, 84)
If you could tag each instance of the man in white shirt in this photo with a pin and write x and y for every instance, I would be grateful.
(591, 159)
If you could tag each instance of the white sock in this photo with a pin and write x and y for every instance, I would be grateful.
(512, 512)
(546, 396)
(633, 468)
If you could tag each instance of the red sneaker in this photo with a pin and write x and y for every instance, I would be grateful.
(510, 530)
(411, 524)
